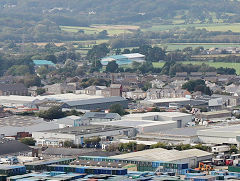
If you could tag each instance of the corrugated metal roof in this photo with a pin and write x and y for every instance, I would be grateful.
(100, 115)
(43, 62)
(95, 101)
(160, 154)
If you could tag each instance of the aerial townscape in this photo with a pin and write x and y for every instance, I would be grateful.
(119, 90)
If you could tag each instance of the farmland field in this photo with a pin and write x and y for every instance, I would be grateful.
(180, 46)
(111, 29)
(235, 27)
(213, 64)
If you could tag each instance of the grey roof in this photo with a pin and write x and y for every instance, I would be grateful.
(95, 101)
(8, 146)
(100, 115)
(192, 131)
(90, 129)
(77, 151)
(13, 124)
(12, 87)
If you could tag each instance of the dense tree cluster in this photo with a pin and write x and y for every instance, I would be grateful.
(133, 146)
(117, 108)
(197, 85)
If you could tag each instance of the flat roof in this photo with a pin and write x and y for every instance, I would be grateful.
(223, 131)
(90, 129)
(167, 100)
(165, 114)
(136, 123)
(13, 124)
(215, 112)
(160, 154)
(43, 62)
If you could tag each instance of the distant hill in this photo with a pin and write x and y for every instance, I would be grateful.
(73, 12)
(40, 20)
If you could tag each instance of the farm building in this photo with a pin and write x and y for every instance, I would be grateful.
(39, 63)
(124, 59)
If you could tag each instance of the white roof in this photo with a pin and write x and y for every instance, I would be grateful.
(134, 55)
(165, 114)
(224, 131)
(160, 154)
(167, 100)
(136, 123)
(28, 99)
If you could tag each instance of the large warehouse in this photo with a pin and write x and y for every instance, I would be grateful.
(221, 135)
(96, 103)
(153, 121)
(124, 59)
(192, 156)
(56, 137)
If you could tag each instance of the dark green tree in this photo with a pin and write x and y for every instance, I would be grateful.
(117, 108)
(97, 52)
(28, 141)
(112, 67)
(54, 112)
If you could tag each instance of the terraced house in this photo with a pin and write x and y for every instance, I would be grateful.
(13, 89)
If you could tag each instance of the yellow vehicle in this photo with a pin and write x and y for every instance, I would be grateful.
(204, 167)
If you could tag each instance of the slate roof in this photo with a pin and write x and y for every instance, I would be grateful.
(12, 87)
(95, 101)
(76, 151)
(8, 146)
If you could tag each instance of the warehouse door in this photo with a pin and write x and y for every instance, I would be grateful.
(179, 123)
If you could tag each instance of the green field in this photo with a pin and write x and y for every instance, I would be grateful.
(235, 27)
(111, 29)
(180, 46)
(213, 64)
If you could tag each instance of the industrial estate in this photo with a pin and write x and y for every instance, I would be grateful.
(119, 90)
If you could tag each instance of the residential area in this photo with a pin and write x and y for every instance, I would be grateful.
(119, 90)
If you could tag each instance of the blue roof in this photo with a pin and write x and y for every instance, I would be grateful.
(43, 62)
(117, 57)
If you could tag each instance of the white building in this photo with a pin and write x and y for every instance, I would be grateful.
(221, 135)
(71, 121)
(153, 121)
(124, 58)
(76, 135)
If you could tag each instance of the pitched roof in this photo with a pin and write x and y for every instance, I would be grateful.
(76, 151)
(8, 146)
(95, 101)
(12, 87)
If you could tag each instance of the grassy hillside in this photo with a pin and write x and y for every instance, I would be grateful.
(212, 64)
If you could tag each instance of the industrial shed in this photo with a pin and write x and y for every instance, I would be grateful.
(221, 135)
(8, 146)
(153, 121)
(192, 156)
(96, 103)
